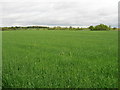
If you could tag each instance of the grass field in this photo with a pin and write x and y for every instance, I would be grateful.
(60, 59)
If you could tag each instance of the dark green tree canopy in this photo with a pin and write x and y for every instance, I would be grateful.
(91, 28)
(101, 27)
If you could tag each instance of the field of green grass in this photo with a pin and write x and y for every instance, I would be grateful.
(60, 59)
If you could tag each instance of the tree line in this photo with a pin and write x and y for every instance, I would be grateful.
(101, 27)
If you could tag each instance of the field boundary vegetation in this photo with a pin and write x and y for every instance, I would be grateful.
(101, 27)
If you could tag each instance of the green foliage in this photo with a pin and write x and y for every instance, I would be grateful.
(101, 27)
(114, 28)
(60, 59)
(21, 28)
(41, 28)
(91, 28)
(98, 28)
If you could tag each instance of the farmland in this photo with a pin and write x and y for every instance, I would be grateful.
(60, 59)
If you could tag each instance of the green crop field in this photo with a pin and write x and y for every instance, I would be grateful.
(60, 59)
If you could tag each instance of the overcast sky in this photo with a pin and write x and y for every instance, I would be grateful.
(59, 12)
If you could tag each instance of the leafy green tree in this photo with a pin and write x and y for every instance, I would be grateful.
(101, 27)
(91, 28)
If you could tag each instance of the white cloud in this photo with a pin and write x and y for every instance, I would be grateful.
(59, 12)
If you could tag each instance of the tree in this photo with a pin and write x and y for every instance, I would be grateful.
(114, 28)
(91, 28)
(70, 28)
(101, 27)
